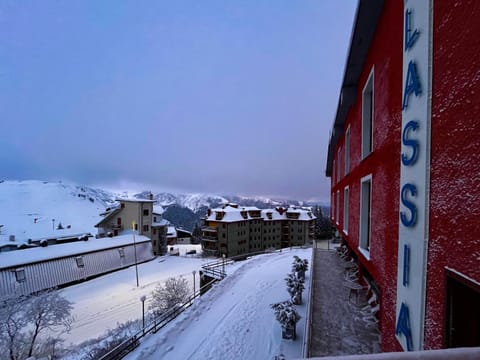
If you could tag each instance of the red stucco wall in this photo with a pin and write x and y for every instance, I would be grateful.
(454, 237)
(383, 163)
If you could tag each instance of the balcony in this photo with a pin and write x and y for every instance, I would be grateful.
(209, 238)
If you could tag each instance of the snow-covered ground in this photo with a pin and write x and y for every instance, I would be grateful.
(101, 303)
(234, 319)
(33, 209)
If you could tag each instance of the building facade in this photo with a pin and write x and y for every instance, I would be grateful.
(137, 215)
(404, 165)
(41, 269)
(234, 230)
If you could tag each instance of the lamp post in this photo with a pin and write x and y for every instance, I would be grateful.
(194, 272)
(135, 251)
(142, 299)
(53, 224)
(223, 264)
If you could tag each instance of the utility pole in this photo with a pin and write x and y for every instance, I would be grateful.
(142, 299)
(135, 251)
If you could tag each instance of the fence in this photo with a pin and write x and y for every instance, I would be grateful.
(214, 270)
(158, 323)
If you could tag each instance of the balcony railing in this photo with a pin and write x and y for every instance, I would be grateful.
(210, 238)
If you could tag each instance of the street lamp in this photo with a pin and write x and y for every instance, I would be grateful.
(135, 250)
(194, 272)
(223, 264)
(142, 299)
(53, 224)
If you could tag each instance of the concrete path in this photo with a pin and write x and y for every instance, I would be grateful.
(338, 325)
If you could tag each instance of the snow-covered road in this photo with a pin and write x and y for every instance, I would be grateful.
(234, 319)
(101, 303)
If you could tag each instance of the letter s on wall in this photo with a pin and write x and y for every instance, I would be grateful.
(412, 189)
(409, 161)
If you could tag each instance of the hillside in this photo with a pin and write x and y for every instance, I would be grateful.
(34, 209)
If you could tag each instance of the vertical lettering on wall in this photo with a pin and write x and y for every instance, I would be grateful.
(410, 205)
(413, 144)
(406, 264)
(403, 326)
(412, 84)
(414, 175)
(410, 36)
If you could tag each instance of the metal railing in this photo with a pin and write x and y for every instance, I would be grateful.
(215, 270)
(156, 324)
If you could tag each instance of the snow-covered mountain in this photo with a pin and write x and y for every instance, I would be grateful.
(34, 209)
(193, 201)
(197, 201)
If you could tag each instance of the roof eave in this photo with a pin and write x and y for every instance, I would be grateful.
(366, 19)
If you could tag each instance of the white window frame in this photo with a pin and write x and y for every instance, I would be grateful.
(332, 207)
(368, 115)
(339, 164)
(20, 275)
(80, 262)
(333, 172)
(347, 151)
(365, 238)
(345, 210)
(337, 208)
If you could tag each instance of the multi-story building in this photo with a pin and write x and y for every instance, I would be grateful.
(404, 163)
(235, 230)
(137, 215)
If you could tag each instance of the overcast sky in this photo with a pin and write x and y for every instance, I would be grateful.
(223, 97)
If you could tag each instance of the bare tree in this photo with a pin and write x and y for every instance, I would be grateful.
(173, 292)
(23, 321)
(12, 323)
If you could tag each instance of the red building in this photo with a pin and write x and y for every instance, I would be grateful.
(404, 160)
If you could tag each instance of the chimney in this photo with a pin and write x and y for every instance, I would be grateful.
(150, 196)
(209, 212)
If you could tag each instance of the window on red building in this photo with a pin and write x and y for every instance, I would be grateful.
(337, 208)
(339, 164)
(365, 213)
(347, 151)
(367, 117)
(345, 210)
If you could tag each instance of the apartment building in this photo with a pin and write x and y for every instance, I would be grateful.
(135, 215)
(234, 230)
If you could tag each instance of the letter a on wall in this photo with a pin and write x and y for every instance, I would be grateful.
(403, 326)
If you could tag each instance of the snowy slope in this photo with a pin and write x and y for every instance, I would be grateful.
(28, 207)
(102, 303)
(234, 319)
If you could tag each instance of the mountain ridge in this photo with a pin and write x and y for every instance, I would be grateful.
(33, 208)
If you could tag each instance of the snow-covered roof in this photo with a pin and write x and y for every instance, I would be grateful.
(171, 232)
(158, 209)
(162, 222)
(229, 213)
(135, 200)
(21, 257)
(108, 215)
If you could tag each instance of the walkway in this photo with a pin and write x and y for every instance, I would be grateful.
(337, 324)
